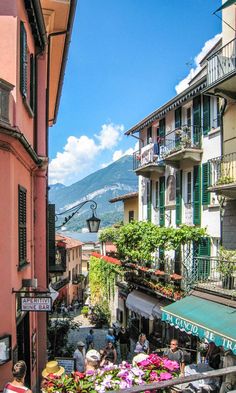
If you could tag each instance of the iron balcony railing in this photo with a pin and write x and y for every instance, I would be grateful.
(60, 284)
(182, 138)
(223, 170)
(213, 274)
(222, 63)
(149, 154)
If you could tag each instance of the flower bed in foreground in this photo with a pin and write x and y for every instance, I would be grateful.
(113, 377)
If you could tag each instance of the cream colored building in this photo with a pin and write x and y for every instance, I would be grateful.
(130, 202)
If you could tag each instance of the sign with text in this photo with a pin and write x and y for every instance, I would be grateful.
(67, 363)
(36, 304)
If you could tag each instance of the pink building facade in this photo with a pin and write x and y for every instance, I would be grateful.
(31, 73)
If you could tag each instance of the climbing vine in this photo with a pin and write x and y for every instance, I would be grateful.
(102, 276)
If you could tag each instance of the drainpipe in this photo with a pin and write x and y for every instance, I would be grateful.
(222, 111)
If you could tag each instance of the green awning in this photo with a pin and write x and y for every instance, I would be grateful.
(205, 319)
(225, 5)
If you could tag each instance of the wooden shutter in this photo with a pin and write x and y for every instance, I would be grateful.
(22, 232)
(178, 123)
(149, 200)
(206, 115)
(32, 82)
(197, 195)
(203, 251)
(162, 130)
(196, 120)
(51, 234)
(178, 197)
(178, 260)
(23, 60)
(162, 201)
(205, 184)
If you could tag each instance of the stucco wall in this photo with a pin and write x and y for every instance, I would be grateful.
(229, 225)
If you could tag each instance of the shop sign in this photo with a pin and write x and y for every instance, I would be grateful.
(199, 331)
(36, 304)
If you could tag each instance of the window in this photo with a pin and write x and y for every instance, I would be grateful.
(149, 134)
(189, 187)
(131, 215)
(170, 192)
(22, 234)
(27, 71)
(218, 112)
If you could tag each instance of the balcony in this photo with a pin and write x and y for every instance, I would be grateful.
(221, 71)
(147, 160)
(214, 275)
(223, 175)
(182, 144)
(77, 279)
(60, 284)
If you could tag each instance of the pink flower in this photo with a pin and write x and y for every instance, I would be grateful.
(165, 376)
(153, 376)
(170, 365)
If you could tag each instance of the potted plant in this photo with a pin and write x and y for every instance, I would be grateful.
(227, 267)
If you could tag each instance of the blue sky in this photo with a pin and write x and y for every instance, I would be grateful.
(125, 59)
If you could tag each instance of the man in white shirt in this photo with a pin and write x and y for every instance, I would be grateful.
(79, 357)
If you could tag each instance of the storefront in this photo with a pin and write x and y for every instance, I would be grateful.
(204, 319)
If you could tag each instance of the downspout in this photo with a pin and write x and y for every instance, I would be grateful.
(222, 111)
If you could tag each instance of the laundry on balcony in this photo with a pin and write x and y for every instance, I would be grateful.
(203, 318)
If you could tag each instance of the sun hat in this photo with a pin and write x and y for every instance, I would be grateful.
(80, 344)
(53, 367)
(92, 355)
(139, 358)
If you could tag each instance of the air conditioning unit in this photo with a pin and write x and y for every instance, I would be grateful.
(29, 283)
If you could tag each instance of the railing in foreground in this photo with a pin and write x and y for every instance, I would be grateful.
(160, 386)
(223, 170)
(221, 63)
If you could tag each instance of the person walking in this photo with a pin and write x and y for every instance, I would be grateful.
(110, 338)
(124, 340)
(90, 340)
(79, 357)
(18, 383)
(175, 354)
(142, 345)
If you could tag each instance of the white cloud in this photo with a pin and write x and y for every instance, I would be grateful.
(182, 85)
(80, 153)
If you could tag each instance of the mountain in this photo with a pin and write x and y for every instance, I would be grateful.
(116, 179)
(57, 186)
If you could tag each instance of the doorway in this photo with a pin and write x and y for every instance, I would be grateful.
(23, 344)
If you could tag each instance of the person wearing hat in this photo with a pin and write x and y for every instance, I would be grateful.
(79, 357)
(92, 360)
(53, 368)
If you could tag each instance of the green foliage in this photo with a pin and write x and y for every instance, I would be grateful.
(102, 277)
(138, 240)
(224, 180)
(102, 313)
(85, 310)
(57, 334)
(227, 262)
(109, 234)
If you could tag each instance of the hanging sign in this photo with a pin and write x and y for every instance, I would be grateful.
(36, 303)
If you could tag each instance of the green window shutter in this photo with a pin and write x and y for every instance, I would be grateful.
(202, 250)
(206, 115)
(149, 200)
(197, 120)
(161, 258)
(162, 130)
(178, 123)
(205, 184)
(197, 195)
(22, 231)
(32, 82)
(162, 201)
(23, 60)
(178, 197)
(157, 196)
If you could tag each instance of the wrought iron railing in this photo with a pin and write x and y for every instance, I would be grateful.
(223, 170)
(213, 274)
(182, 138)
(222, 63)
(149, 154)
(60, 284)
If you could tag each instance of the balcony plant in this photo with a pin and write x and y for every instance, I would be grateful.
(224, 180)
(227, 267)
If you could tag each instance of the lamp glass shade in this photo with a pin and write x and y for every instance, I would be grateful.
(93, 224)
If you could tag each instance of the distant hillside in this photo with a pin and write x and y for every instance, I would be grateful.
(116, 179)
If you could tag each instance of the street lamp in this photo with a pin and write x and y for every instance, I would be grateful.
(93, 222)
